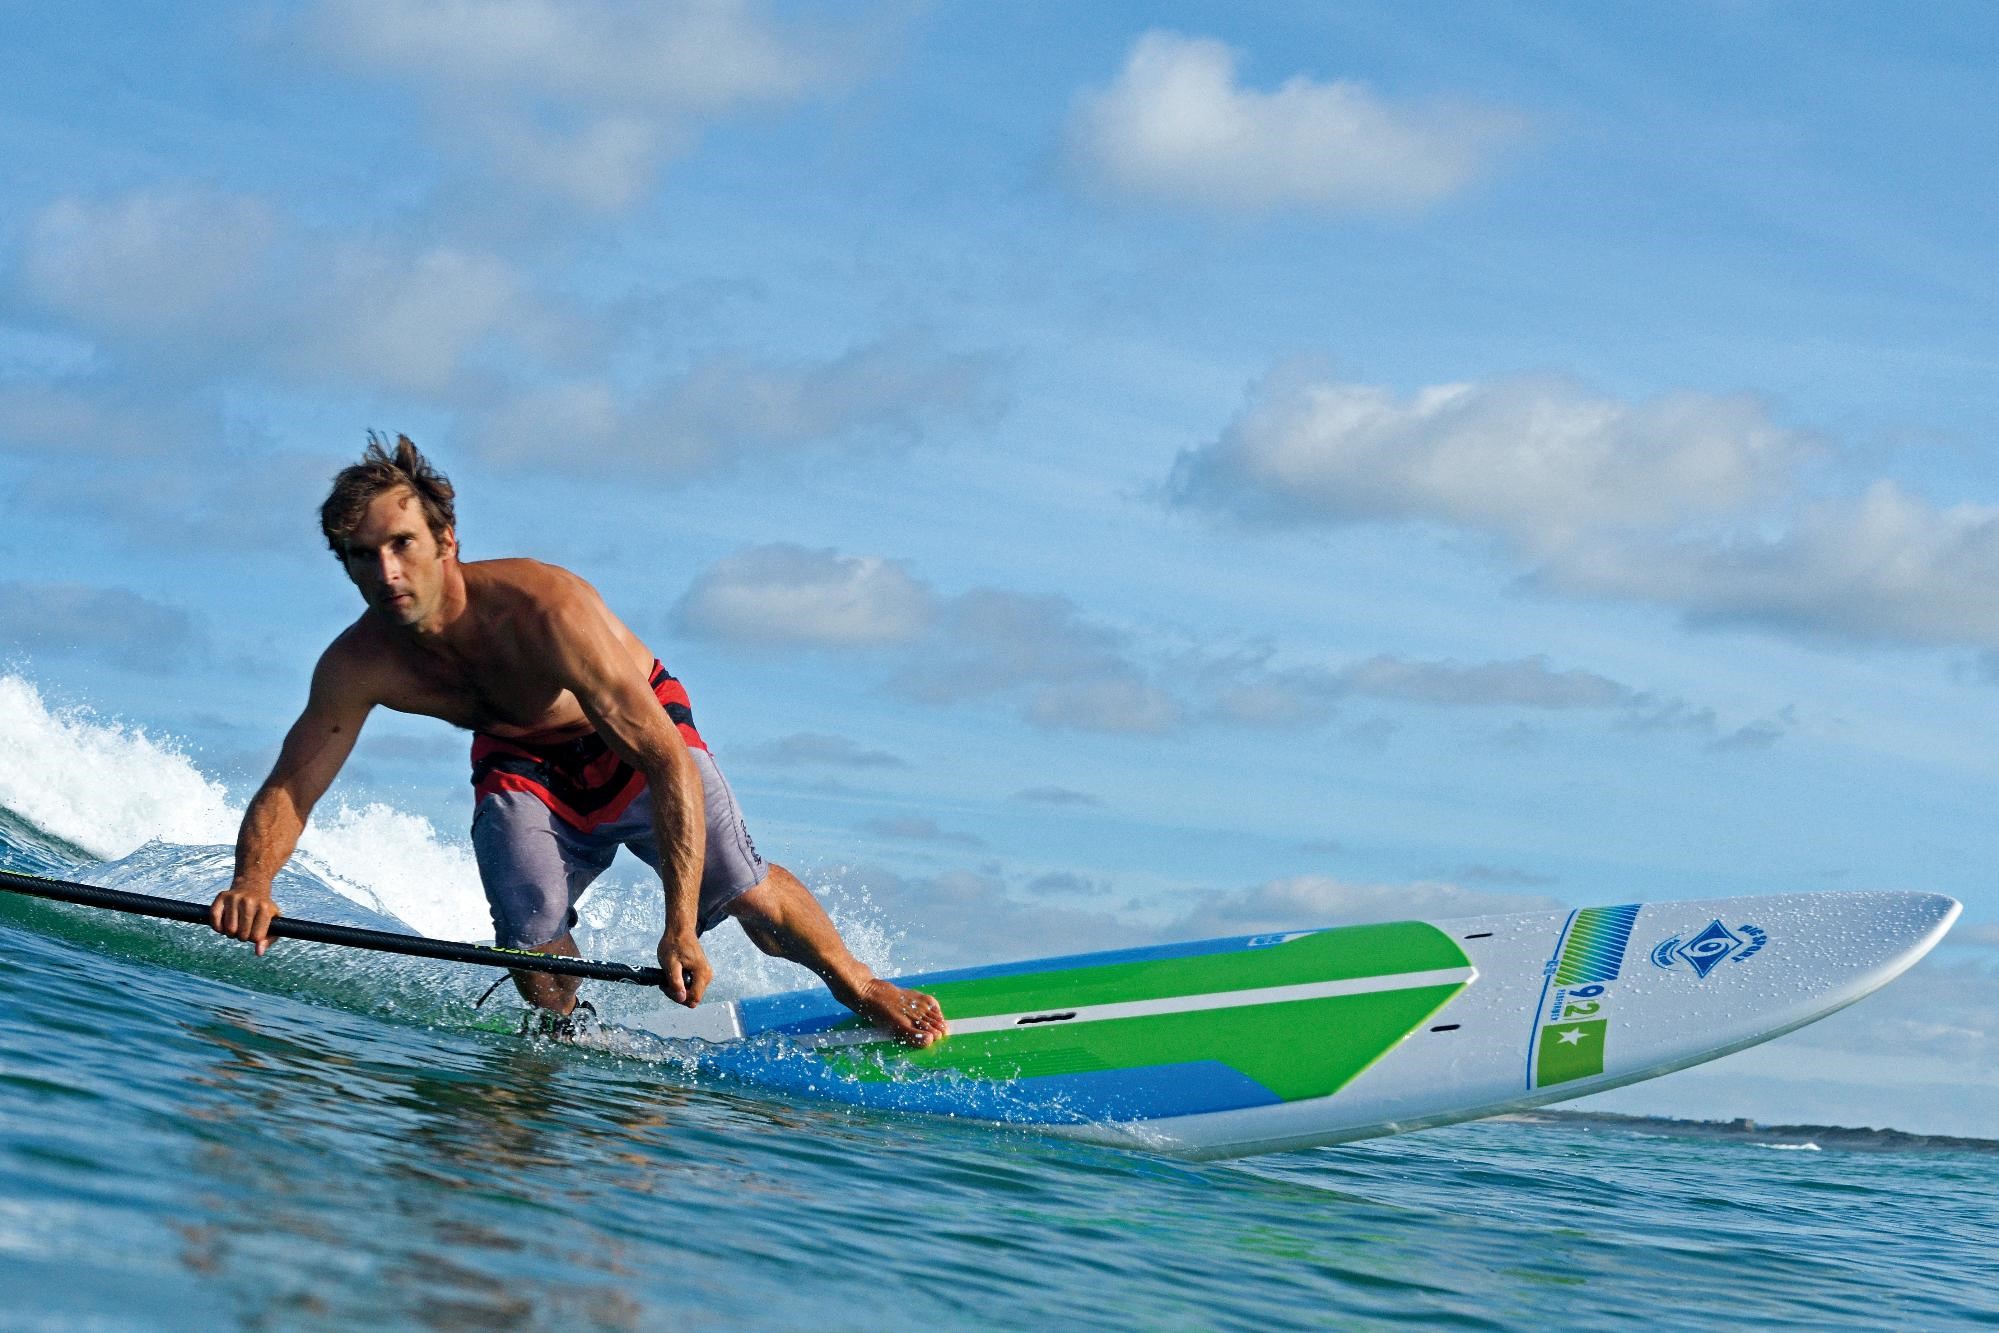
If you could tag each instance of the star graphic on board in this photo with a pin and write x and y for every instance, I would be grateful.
(1573, 1037)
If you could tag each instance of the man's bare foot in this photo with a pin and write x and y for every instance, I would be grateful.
(913, 1017)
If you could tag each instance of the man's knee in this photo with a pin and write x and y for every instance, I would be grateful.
(528, 918)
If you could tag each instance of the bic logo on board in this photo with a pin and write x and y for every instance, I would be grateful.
(1706, 951)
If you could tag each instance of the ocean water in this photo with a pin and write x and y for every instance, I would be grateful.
(192, 1138)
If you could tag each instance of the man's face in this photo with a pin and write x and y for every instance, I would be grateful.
(396, 561)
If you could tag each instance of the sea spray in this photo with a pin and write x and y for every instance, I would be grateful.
(112, 789)
(400, 863)
(107, 787)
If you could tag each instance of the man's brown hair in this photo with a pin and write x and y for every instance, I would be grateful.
(378, 472)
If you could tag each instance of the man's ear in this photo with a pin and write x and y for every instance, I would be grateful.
(447, 543)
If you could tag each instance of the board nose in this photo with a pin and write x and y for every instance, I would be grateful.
(1942, 910)
(1915, 921)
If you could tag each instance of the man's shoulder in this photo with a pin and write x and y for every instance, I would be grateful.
(535, 580)
(362, 643)
(358, 660)
(527, 592)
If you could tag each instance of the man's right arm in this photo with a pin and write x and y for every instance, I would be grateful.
(314, 749)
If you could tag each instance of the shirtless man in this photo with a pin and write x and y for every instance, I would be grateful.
(582, 743)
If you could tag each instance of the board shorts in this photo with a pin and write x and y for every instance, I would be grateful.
(549, 820)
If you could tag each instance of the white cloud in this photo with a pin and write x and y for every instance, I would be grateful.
(1065, 884)
(1480, 873)
(1071, 671)
(153, 263)
(403, 320)
(1974, 935)
(818, 748)
(790, 595)
(1937, 1018)
(1690, 502)
(186, 280)
(1280, 700)
(961, 918)
(1062, 669)
(1055, 796)
(998, 639)
(731, 405)
(185, 475)
(1176, 126)
(115, 626)
(1241, 687)
(1125, 704)
(1887, 566)
(1303, 902)
(919, 828)
(603, 165)
(1535, 461)
(583, 99)
(730, 409)
(705, 54)
(243, 499)
(1760, 734)
(1528, 682)
(45, 418)
(1244, 689)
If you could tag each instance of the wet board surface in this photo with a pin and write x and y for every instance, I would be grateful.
(1269, 1042)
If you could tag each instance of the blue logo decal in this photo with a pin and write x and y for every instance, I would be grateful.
(1705, 951)
(1281, 937)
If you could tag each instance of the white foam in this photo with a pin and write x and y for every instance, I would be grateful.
(387, 858)
(110, 788)
(107, 787)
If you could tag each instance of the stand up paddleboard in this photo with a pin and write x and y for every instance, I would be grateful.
(1269, 1042)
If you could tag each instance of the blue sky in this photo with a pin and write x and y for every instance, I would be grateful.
(1102, 470)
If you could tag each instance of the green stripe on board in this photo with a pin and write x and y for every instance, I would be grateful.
(1297, 1049)
(1596, 944)
(1322, 955)
(1569, 1051)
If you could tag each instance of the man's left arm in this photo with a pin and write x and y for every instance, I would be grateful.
(595, 664)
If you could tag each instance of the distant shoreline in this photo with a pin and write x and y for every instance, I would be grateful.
(1748, 1131)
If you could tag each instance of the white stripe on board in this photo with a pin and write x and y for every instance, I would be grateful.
(1169, 1004)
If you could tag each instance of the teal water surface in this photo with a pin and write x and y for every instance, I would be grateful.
(191, 1138)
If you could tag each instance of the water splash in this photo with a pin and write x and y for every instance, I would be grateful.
(399, 863)
(97, 798)
(106, 787)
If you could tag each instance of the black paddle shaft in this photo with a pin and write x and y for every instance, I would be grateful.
(352, 937)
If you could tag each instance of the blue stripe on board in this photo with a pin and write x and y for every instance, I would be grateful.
(1151, 1093)
(816, 1010)
(1541, 1005)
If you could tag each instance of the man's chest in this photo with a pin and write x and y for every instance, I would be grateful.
(506, 700)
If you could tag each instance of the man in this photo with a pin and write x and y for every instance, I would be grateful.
(582, 743)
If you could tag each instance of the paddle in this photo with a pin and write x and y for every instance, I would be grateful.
(352, 937)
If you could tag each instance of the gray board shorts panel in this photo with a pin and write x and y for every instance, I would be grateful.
(535, 864)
